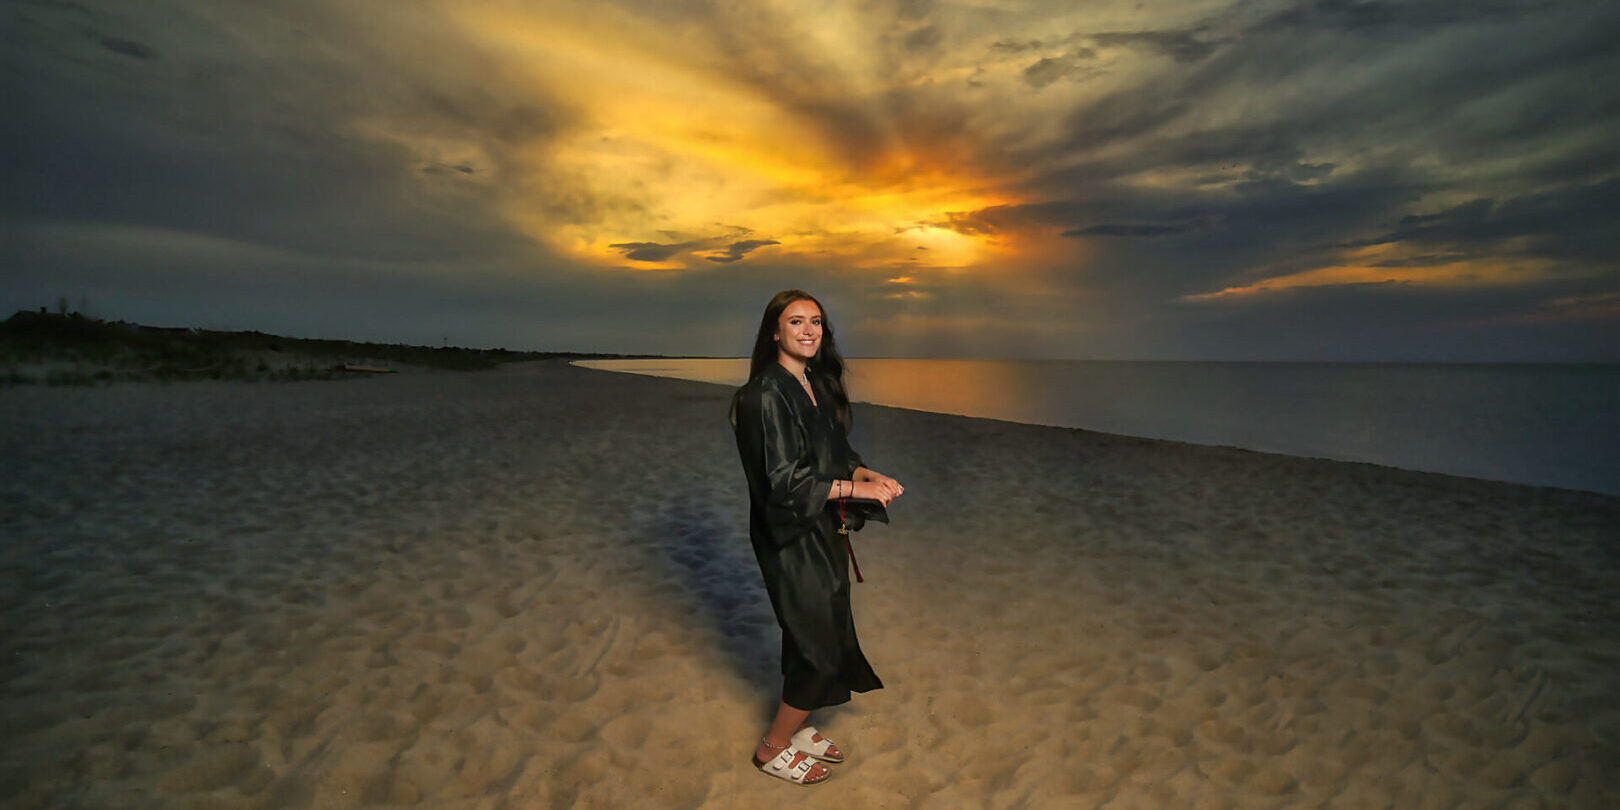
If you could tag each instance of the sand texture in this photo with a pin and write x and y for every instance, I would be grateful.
(532, 588)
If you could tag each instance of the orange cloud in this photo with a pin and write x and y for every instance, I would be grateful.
(666, 141)
(1388, 264)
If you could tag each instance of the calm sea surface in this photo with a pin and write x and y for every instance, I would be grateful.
(1550, 425)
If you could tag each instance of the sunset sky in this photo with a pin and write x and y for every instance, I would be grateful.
(1192, 179)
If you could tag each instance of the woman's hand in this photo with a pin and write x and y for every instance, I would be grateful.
(880, 488)
(863, 474)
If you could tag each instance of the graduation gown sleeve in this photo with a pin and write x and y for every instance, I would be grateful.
(855, 463)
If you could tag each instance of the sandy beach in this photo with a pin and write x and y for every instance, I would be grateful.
(532, 588)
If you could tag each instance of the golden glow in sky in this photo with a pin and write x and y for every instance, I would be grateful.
(1387, 264)
(669, 149)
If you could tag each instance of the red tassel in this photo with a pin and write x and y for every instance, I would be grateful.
(843, 529)
(851, 549)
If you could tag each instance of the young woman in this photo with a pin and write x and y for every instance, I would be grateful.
(792, 423)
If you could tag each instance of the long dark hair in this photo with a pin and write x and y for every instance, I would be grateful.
(827, 366)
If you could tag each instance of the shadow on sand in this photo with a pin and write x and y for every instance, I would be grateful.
(710, 555)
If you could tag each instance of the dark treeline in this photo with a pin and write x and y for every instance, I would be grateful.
(63, 348)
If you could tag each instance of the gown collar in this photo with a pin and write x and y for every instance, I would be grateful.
(819, 397)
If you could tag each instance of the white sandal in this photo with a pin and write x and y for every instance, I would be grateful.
(781, 766)
(804, 740)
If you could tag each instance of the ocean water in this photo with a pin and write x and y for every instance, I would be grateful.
(1547, 425)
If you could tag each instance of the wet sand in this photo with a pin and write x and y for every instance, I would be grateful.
(532, 587)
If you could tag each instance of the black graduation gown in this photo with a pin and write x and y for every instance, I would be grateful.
(791, 452)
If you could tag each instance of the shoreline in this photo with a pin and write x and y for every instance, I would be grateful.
(1238, 439)
(528, 584)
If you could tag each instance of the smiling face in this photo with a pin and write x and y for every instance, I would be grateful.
(798, 331)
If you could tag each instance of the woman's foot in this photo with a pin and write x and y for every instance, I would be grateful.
(786, 762)
(816, 745)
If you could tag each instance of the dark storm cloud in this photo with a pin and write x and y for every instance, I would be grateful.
(1006, 46)
(128, 47)
(737, 250)
(1148, 249)
(652, 251)
(661, 252)
(1380, 16)
(1182, 46)
(926, 38)
(1279, 212)
(1132, 229)
(1145, 215)
(1079, 62)
(441, 168)
(1570, 223)
(1076, 65)
(1169, 119)
(1466, 220)
(244, 129)
(1358, 114)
